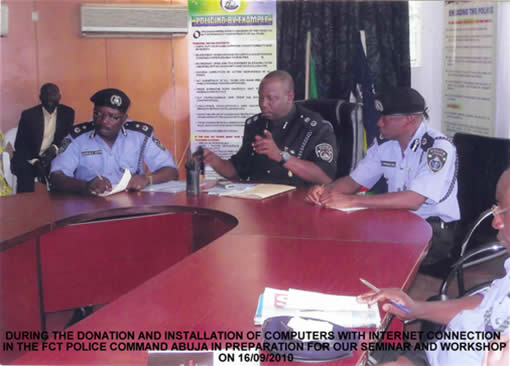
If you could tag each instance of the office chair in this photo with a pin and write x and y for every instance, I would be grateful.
(347, 122)
(482, 160)
(468, 259)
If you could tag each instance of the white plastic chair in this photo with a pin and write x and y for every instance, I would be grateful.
(9, 137)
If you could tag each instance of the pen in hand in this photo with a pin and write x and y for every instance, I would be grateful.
(376, 289)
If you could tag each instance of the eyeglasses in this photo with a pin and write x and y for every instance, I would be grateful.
(495, 210)
(114, 117)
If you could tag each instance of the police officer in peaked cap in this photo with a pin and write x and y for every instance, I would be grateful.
(419, 165)
(95, 154)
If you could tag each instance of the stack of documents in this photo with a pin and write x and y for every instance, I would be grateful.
(173, 186)
(252, 191)
(341, 310)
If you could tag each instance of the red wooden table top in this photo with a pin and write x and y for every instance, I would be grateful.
(281, 242)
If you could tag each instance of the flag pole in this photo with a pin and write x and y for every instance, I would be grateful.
(307, 63)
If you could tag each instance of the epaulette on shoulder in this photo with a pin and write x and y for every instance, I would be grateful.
(381, 140)
(82, 128)
(311, 121)
(310, 118)
(253, 119)
(141, 127)
(426, 141)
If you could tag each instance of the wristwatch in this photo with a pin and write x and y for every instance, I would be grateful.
(285, 157)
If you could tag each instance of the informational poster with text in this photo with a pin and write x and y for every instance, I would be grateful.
(232, 45)
(469, 68)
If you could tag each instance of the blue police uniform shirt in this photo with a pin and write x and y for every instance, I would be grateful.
(428, 167)
(492, 315)
(84, 154)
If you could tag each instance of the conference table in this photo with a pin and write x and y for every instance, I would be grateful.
(175, 262)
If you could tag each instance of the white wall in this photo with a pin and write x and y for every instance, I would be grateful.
(502, 128)
(428, 78)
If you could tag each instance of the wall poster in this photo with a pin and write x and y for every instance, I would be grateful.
(469, 68)
(232, 45)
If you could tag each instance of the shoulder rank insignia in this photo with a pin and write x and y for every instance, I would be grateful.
(324, 151)
(436, 159)
(65, 143)
(141, 127)
(426, 142)
(158, 143)
(380, 139)
(415, 144)
(82, 128)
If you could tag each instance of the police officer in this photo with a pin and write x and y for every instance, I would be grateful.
(95, 154)
(418, 163)
(285, 144)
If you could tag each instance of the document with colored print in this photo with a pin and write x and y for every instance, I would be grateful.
(337, 309)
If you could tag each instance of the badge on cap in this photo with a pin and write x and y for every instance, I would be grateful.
(116, 100)
(436, 159)
(325, 152)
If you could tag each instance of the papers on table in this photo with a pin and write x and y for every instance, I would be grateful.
(252, 191)
(173, 186)
(341, 310)
(227, 188)
(121, 186)
(350, 209)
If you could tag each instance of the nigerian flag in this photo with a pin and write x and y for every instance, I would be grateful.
(314, 91)
(311, 89)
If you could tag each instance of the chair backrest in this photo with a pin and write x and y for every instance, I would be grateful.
(482, 160)
(347, 122)
(10, 136)
(9, 177)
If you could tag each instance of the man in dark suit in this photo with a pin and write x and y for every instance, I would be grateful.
(40, 132)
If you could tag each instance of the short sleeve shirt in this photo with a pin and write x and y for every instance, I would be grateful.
(305, 135)
(84, 154)
(428, 167)
(492, 315)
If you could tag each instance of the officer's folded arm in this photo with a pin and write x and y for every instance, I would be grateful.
(162, 175)
(407, 200)
(307, 170)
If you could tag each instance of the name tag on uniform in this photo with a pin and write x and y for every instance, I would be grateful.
(391, 164)
(97, 152)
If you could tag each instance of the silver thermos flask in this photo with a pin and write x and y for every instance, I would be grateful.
(192, 176)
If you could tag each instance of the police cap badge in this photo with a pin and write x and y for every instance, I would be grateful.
(113, 98)
(401, 100)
